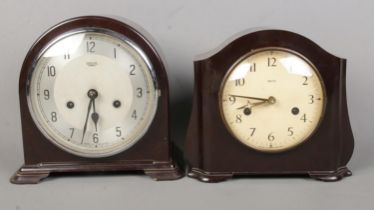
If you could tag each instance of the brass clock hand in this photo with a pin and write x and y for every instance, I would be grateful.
(94, 115)
(247, 105)
(250, 105)
(249, 97)
(92, 94)
(85, 124)
(270, 100)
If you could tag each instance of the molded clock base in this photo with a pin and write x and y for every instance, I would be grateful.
(205, 176)
(331, 176)
(211, 177)
(25, 176)
(164, 174)
(33, 174)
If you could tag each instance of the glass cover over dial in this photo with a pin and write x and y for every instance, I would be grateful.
(93, 93)
(272, 99)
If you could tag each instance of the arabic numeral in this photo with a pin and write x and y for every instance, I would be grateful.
(290, 131)
(140, 92)
(303, 118)
(271, 137)
(232, 99)
(240, 82)
(67, 56)
(272, 62)
(253, 131)
(51, 71)
(134, 115)
(252, 68)
(118, 131)
(238, 118)
(132, 70)
(72, 132)
(54, 116)
(90, 45)
(311, 99)
(46, 94)
(305, 80)
(95, 138)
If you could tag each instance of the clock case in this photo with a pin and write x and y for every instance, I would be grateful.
(153, 153)
(213, 154)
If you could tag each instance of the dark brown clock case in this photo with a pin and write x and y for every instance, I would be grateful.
(153, 153)
(213, 155)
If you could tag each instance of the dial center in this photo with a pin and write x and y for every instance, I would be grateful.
(272, 100)
(103, 83)
(92, 94)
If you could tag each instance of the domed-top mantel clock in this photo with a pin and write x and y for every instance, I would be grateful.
(94, 97)
(271, 102)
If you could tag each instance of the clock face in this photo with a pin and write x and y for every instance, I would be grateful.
(272, 99)
(92, 93)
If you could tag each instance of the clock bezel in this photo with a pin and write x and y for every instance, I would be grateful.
(259, 50)
(113, 150)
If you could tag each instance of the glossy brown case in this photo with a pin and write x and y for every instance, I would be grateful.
(153, 153)
(214, 155)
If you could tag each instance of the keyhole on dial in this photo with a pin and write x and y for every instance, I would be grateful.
(295, 111)
(116, 104)
(70, 104)
(247, 111)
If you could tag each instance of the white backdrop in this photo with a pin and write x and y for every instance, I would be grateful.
(184, 29)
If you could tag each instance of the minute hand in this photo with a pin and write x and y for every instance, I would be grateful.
(88, 114)
(254, 98)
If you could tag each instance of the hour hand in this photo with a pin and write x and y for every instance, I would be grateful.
(94, 115)
(250, 105)
(93, 94)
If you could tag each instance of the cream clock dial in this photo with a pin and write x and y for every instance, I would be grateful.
(272, 99)
(92, 93)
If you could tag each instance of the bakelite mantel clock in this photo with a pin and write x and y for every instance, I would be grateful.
(270, 102)
(94, 97)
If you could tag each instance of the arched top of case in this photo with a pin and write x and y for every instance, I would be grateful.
(249, 40)
(132, 32)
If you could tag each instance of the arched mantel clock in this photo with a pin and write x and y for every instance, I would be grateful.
(270, 102)
(94, 97)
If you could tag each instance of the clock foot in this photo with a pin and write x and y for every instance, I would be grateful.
(204, 176)
(163, 174)
(331, 176)
(26, 176)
